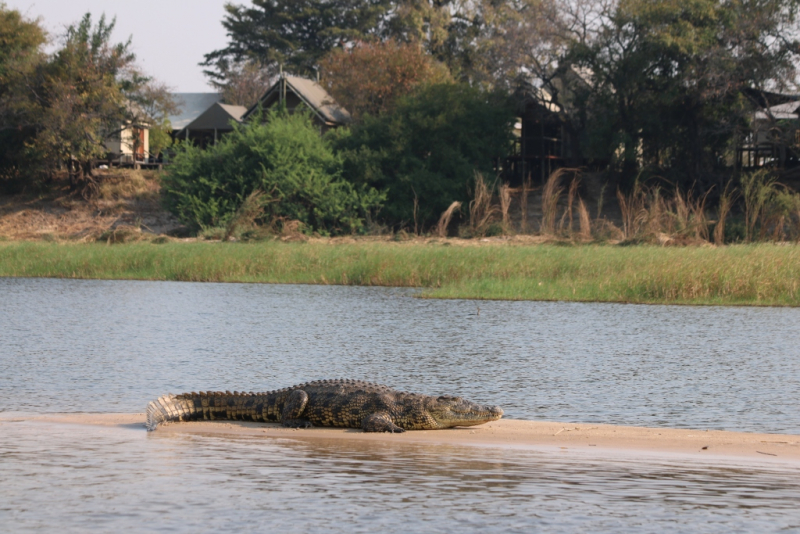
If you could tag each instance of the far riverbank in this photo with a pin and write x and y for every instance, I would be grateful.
(753, 275)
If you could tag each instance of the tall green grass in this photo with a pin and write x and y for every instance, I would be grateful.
(741, 275)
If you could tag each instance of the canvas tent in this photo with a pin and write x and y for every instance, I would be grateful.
(215, 121)
(189, 107)
(296, 92)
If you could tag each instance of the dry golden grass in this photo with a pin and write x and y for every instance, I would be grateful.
(481, 210)
(124, 198)
(585, 232)
(551, 193)
(505, 192)
(444, 220)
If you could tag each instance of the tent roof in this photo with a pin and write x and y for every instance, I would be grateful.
(217, 117)
(190, 107)
(313, 94)
(787, 110)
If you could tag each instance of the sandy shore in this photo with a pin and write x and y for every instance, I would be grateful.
(595, 438)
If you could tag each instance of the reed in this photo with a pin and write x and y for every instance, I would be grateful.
(763, 274)
(585, 221)
(565, 225)
(245, 217)
(523, 203)
(650, 215)
(551, 194)
(632, 207)
(481, 209)
(444, 220)
(758, 188)
(505, 192)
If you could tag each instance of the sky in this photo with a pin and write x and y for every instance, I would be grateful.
(170, 37)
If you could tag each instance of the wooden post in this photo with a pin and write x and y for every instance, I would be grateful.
(282, 87)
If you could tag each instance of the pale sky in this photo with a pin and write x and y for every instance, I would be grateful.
(170, 37)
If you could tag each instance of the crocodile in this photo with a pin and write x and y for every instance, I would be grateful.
(337, 403)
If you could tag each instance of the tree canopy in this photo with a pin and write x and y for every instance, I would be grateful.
(370, 77)
(671, 79)
(20, 54)
(62, 108)
(425, 153)
(292, 33)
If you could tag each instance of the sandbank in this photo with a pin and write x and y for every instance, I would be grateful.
(596, 438)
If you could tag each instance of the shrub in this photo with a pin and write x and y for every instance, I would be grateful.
(284, 157)
(426, 152)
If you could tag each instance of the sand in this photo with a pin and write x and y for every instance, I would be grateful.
(610, 440)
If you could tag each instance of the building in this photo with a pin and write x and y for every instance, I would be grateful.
(189, 106)
(129, 146)
(301, 93)
(773, 139)
(543, 140)
(215, 121)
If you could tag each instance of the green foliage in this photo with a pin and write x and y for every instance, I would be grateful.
(671, 77)
(671, 80)
(285, 158)
(20, 55)
(464, 36)
(427, 151)
(370, 77)
(160, 138)
(742, 274)
(80, 96)
(59, 110)
(294, 33)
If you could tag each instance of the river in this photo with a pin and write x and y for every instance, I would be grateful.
(112, 346)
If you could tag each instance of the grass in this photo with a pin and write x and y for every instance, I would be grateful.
(735, 275)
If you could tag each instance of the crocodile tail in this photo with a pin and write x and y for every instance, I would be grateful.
(169, 408)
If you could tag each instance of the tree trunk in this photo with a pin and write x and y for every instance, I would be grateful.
(72, 171)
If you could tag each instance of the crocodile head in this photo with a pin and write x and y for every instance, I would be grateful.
(450, 411)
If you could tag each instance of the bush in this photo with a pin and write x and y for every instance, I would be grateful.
(425, 154)
(285, 158)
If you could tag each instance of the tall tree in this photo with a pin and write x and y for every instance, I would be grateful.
(370, 77)
(425, 153)
(293, 33)
(89, 91)
(670, 79)
(21, 54)
(80, 97)
(242, 84)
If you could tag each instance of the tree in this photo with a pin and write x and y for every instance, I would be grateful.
(426, 152)
(285, 159)
(370, 77)
(244, 83)
(292, 33)
(87, 92)
(20, 55)
(671, 79)
(80, 99)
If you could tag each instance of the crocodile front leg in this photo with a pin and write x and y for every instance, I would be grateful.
(292, 415)
(380, 422)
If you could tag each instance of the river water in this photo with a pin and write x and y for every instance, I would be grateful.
(112, 346)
